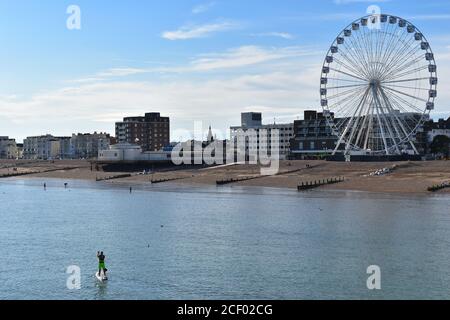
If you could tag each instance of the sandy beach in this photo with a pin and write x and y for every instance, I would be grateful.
(404, 177)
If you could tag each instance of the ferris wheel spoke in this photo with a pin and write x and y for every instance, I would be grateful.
(404, 53)
(358, 119)
(403, 56)
(349, 68)
(346, 108)
(347, 128)
(406, 87)
(348, 80)
(369, 129)
(363, 58)
(383, 47)
(343, 93)
(363, 50)
(405, 80)
(348, 86)
(400, 127)
(380, 122)
(388, 51)
(406, 94)
(357, 68)
(407, 64)
(401, 101)
(349, 74)
(398, 47)
(390, 122)
(408, 73)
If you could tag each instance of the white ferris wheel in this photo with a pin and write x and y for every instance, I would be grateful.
(378, 85)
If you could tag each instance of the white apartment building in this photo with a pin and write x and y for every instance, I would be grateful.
(8, 148)
(252, 127)
(87, 146)
(45, 147)
(79, 146)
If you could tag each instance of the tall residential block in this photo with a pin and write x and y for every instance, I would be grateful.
(151, 132)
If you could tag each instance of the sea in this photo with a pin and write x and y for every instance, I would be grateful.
(169, 241)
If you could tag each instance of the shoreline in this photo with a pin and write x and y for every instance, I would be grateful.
(403, 178)
(204, 188)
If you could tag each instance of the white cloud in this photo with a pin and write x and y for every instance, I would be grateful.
(120, 72)
(202, 8)
(282, 82)
(283, 93)
(246, 56)
(194, 32)
(283, 35)
(236, 58)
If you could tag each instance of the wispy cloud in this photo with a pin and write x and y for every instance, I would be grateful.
(245, 56)
(202, 31)
(235, 58)
(283, 35)
(120, 72)
(202, 8)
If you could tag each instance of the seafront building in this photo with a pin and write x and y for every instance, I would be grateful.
(434, 132)
(46, 147)
(151, 132)
(87, 145)
(79, 146)
(127, 152)
(252, 127)
(8, 148)
(312, 136)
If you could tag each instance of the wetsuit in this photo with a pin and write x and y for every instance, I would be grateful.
(101, 264)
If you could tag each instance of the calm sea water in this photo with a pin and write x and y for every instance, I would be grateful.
(220, 243)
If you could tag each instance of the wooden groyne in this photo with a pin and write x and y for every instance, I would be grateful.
(119, 176)
(19, 174)
(319, 183)
(156, 181)
(439, 187)
(234, 180)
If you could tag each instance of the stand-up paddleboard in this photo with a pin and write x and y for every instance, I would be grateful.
(101, 277)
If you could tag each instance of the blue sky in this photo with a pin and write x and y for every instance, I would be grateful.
(192, 60)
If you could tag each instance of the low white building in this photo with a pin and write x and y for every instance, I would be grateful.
(8, 148)
(88, 145)
(131, 153)
(48, 147)
(45, 147)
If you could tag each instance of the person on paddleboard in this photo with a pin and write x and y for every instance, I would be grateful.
(101, 263)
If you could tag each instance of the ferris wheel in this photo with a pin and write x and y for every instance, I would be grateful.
(378, 85)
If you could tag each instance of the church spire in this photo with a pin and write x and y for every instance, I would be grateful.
(210, 135)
